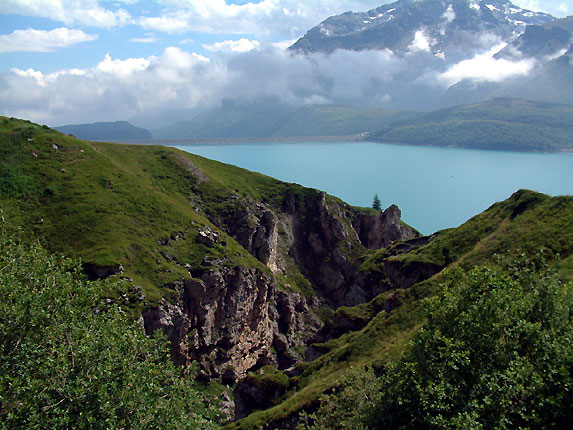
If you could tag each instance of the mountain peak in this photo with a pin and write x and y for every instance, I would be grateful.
(435, 26)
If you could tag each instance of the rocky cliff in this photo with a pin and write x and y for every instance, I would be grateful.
(233, 319)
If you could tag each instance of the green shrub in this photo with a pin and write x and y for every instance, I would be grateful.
(69, 360)
(496, 353)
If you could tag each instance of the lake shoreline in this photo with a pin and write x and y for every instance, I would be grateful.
(316, 139)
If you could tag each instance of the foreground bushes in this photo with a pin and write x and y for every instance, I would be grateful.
(68, 360)
(495, 353)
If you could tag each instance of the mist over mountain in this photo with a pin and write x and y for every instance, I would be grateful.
(437, 26)
(409, 55)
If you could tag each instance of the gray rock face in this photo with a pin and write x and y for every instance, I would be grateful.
(449, 26)
(378, 231)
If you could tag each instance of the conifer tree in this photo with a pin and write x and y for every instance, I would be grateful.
(376, 204)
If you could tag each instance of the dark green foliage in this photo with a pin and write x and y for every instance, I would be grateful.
(500, 124)
(496, 353)
(69, 360)
(348, 405)
(376, 204)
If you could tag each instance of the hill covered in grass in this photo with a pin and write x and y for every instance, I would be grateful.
(272, 288)
(500, 124)
(118, 130)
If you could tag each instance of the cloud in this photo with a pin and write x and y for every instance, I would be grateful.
(149, 39)
(31, 40)
(70, 12)
(121, 88)
(484, 67)
(241, 45)
(266, 18)
(421, 42)
(559, 8)
(121, 68)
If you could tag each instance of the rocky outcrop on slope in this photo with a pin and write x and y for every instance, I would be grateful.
(235, 319)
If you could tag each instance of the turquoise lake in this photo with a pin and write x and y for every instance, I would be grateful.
(435, 188)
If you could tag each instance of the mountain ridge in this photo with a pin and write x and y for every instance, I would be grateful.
(396, 26)
(116, 130)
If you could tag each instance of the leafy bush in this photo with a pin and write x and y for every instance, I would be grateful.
(69, 360)
(496, 353)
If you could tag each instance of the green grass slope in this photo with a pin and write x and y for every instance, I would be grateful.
(527, 222)
(112, 204)
(500, 124)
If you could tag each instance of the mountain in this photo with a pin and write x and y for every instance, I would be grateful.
(231, 119)
(537, 41)
(550, 47)
(501, 123)
(442, 27)
(118, 130)
(270, 287)
(270, 118)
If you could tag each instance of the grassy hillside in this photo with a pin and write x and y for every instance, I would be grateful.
(111, 204)
(527, 222)
(502, 124)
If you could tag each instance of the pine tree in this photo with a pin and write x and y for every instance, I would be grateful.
(376, 204)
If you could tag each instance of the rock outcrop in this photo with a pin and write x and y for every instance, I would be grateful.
(235, 319)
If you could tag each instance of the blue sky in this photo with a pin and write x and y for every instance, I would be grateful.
(61, 57)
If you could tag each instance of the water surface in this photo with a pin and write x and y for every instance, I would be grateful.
(434, 187)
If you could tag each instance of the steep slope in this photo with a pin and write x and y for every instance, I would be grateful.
(220, 258)
(374, 333)
(450, 26)
(270, 284)
(541, 40)
(118, 130)
(501, 123)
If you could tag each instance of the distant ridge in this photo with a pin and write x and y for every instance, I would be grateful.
(118, 130)
(508, 124)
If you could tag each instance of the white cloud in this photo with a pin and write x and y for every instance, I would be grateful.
(266, 18)
(176, 79)
(31, 40)
(149, 39)
(484, 67)
(449, 15)
(421, 42)
(559, 8)
(170, 23)
(241, 45)
(70, 12)
(122, 68)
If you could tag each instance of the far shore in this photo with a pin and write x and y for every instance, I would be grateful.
(363, 137)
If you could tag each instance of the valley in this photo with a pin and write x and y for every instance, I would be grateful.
(284, 214)
(247, 275)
